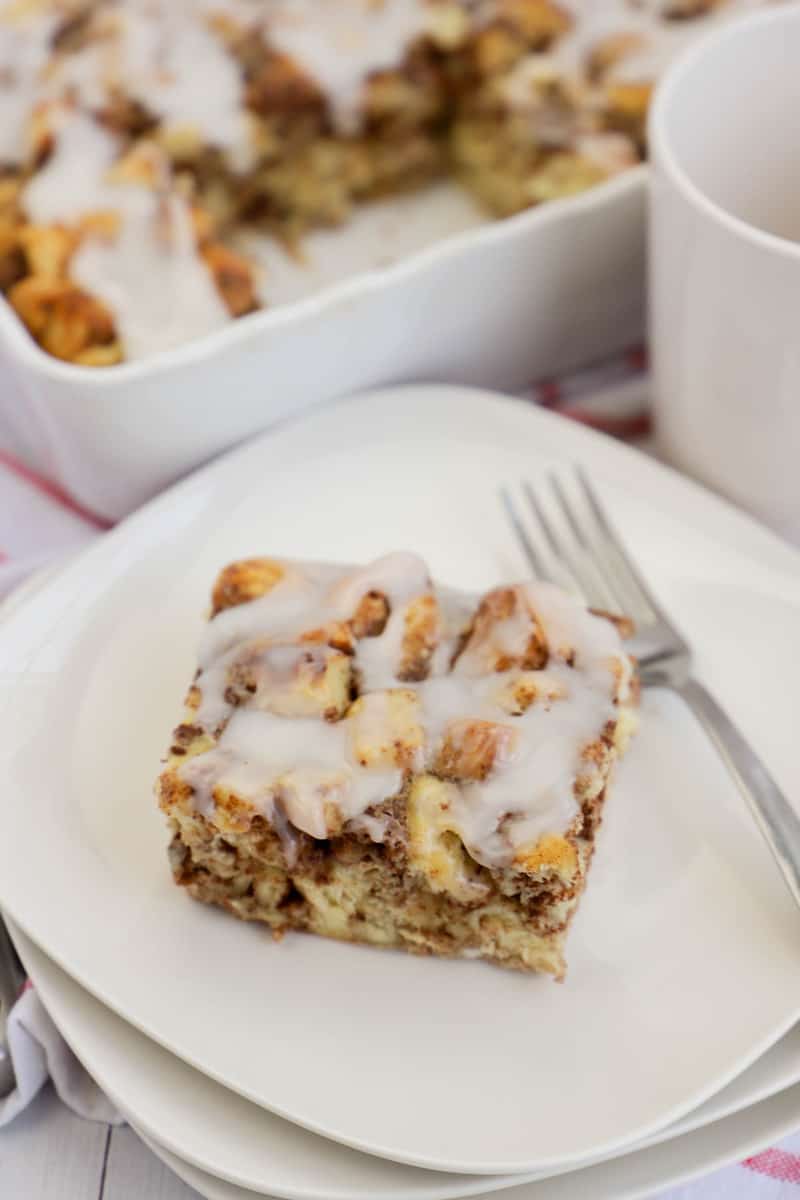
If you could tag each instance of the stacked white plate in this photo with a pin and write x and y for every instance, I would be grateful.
(317, 1071)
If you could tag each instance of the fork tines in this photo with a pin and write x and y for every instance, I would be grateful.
(567, 538)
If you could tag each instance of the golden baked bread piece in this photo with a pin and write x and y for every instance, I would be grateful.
(369, 757)
(554, 123)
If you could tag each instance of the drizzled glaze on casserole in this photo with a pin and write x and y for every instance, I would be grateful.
(336, 688)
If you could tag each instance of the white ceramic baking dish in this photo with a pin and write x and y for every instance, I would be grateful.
(500, 304)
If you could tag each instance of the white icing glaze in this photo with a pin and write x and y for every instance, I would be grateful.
(564, 112)
(534, 783)
(176, 67)
(378, 657)
(555, 91)
(274, 668)
(72, 182)
(525, 86)
(400, 577)
(165, 55)
(296, 603)
(374, 827)
(506, 638)
(308, 766)
(257, 757)
(612, 152)
(661, 39)
(147, 270)
(340, 43)
(162, 53)
(24, 52)
(149, 274)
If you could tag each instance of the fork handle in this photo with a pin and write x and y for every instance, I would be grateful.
(772, 812)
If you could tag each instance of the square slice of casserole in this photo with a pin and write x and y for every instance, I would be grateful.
(367, 756)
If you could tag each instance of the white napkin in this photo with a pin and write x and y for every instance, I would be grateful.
(38, 1053)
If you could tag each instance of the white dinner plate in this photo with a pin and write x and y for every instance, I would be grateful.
(683, 958)
(633, 1176)
(229, 1138)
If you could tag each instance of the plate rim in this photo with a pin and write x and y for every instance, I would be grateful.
(780, 1128)
(476, 1186)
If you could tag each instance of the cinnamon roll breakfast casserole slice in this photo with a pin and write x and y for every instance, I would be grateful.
(370, 757)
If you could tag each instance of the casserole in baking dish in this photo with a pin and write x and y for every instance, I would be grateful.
(140, 138)
(133, 183)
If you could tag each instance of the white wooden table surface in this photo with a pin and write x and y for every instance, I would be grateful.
(47, 1153)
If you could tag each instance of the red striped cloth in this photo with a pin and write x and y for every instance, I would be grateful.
(610, 395)
(39, 523)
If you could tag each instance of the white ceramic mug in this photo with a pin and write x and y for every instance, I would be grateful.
(725, 263)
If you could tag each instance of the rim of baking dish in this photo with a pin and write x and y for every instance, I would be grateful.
(20, 345)
(660, 140)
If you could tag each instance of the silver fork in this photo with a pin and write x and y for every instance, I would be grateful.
(581, 551)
